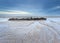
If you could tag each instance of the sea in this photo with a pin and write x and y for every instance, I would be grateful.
(47, 31)
(3, 19)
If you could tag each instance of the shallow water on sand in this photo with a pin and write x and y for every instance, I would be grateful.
(30, 31)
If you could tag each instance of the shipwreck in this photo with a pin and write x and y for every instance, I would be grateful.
(41, 18)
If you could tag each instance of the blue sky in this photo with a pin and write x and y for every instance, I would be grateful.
(30, 7)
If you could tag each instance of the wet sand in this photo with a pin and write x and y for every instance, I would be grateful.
(30, 31)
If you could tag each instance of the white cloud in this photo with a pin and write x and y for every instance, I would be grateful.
(14, 12)
(57, 7)
(54, 8)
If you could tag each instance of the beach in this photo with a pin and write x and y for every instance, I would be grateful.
(39, 31)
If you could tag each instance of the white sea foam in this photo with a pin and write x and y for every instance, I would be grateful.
(3, 19)
(30, 31)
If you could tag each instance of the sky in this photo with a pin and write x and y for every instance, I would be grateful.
(30, 7)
